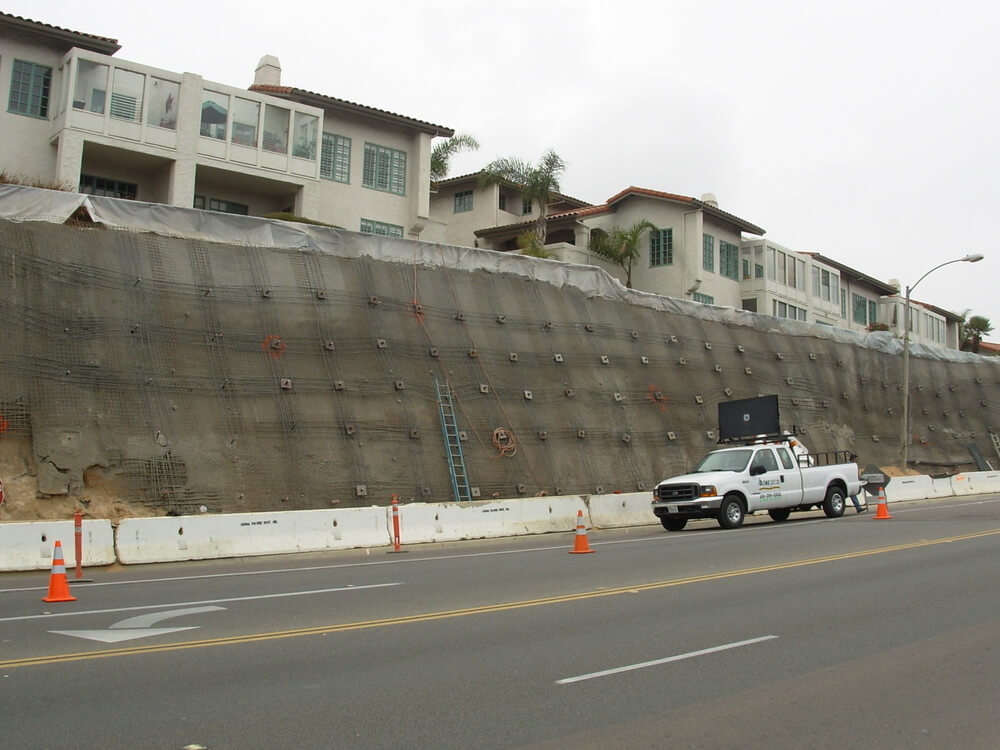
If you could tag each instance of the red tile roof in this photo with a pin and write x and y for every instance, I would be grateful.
(322, 100)
(104, 45)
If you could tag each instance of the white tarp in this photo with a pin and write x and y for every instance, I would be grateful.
(18, 203)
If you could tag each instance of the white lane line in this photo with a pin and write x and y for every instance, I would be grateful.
(166, 605)
(667, 660)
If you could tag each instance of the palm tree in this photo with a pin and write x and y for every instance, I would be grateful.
(442, 152)
(621, 246)
(973, 330)
(538, 183)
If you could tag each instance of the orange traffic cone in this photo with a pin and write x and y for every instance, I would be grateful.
(58, 585)
(883, 508)
(580, 545)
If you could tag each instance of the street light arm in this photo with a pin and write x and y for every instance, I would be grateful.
(971, 258)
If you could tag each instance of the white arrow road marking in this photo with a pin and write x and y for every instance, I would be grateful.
(145, 621)
(77, 613)
(117, 636)
(138, 626)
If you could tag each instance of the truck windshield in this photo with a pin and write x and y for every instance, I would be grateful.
(724, 461)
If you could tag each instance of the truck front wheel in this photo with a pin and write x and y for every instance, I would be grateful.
(833, 506)
(731, 512)
(673, 524)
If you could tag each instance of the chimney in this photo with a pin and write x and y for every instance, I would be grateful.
(710, 199)
(268, 72)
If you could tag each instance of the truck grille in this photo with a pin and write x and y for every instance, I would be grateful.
(675, 492)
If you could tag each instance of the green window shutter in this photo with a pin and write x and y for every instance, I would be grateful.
(661, 247)
(30, 85)
(335, 158)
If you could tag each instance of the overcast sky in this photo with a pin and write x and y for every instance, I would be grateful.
(866, 130)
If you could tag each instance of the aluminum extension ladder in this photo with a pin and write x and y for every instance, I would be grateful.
(453, 443)
(996, 442)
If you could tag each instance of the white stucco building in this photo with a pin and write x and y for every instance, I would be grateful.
(80, 117)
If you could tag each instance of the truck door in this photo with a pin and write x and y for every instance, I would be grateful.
(791, 477)
(766, 489)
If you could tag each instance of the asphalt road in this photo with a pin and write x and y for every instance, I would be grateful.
(846, 633)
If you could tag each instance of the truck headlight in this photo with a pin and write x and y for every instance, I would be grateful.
(708, 490)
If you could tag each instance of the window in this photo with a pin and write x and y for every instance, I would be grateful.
(758, 271)
(872, 312)
(306, 130)
(860, 309)
(162, 105)
(708, 252)
(815, 278)
(843, 303)
(800, 274)
(90, 90)
(502, 201)
(784, 310)
(275, 129)
(214, 114)
(661, 247)
(384, 169)
(526, 207)
(377, 227)
(745, 267)
(750, 304)
(335, 161)
(107, 187)
(246, 116)
(224, 207)
(771, 252)
(463, 201)
(792, 278)
(29, 89)
(764, 458)
(786, 459)
(126, 95)
(729, 260)
(707, 299)
(782, 268)
(825, 284)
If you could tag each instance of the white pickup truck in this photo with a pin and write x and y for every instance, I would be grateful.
(777, 476)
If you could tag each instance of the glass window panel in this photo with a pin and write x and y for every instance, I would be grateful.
(800, 266)
(276, 129)
(90, 89)
(246, 117)
(126, 95)
(306, 133)
(162, 108)
(214, 115)
(771, 263)
(30, 85)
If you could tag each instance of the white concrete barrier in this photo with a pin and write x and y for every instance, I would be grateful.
(976, 483)
(940, 488)
(909, 487)
(28, 545)
(482, 519)
(625, 509)
(145, 540)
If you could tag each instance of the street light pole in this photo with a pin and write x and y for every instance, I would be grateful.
(905, 435)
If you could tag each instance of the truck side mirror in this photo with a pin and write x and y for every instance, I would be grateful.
(757, 470)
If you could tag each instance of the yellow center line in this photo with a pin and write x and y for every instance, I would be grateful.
(482, 609)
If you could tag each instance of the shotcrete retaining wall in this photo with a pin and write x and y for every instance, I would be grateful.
(187, 374)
